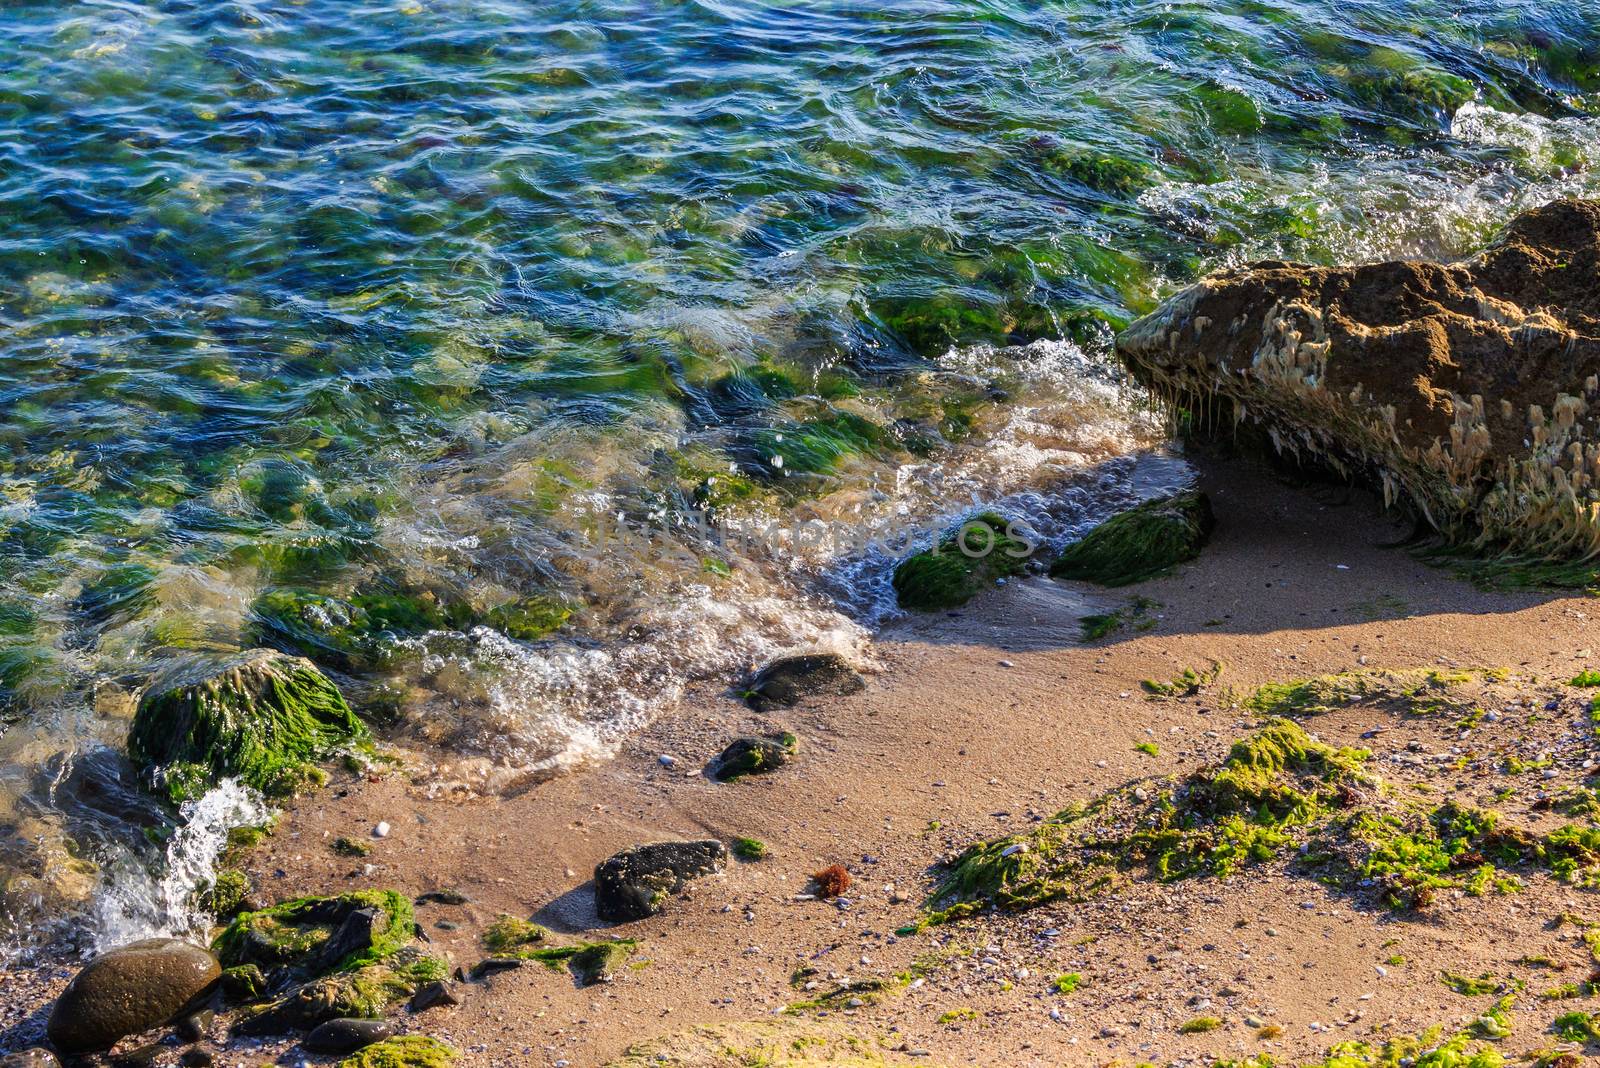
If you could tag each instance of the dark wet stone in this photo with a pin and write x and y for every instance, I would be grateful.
(355, 935)
(128, 990)
(435, 993)
(196, 1058)
(493, 965)
(443, 897)
(347, 1035)
(753, 756)
(636, 883)
(786, 682)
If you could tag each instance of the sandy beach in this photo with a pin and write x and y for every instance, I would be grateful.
(977, 724)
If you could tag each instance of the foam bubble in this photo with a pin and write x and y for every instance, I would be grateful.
(144, 899)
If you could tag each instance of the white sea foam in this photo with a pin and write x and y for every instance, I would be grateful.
(138, 899)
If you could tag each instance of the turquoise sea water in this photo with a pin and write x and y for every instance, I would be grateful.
(346, 327)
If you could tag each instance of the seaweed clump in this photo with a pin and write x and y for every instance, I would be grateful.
(403, 1051)
(1140, 543)
(1214, 821)
(985, 548)
(261, 717)
(319, 935)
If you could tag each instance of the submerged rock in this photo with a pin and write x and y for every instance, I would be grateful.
(1139, 543)
(636, 883)
(1469, 390)
(752, 756)
(262, 717)
(984, 548)
(784, 683)
(128, 990)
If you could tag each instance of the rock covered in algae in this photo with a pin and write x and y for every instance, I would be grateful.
(1469, 389)
(128, 990)
(1140, 543)
(262, 717)
(316, 935)
(984, 548)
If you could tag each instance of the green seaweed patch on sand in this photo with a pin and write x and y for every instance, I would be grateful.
(261, 717)
(319, 935)
(403, 1051)
(508, 935)
(1138, 613)
(1430, 1049)
(589, 962)
(1187, 683)
(1213, 821)
(983, 549)
(1279, 793)
(1140, 543)
(1423, 691)
(785, 1042)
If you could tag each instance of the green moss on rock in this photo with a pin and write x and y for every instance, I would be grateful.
(261, 717)
(1140, 543)
(403, 1051)
(508, 935)
(316, 935)
(226, 894)
(950, 574)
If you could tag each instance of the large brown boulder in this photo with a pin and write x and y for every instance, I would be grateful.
(128, 990)
(1470, 388)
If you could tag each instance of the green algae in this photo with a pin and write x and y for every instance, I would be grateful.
(1430, 1049)
(290, 936)
(361, 631)
(1137, 613)
(508, 934)
(1422, 691)
(1067, 983)
(351, 847)
(404, 1051)
(1199, 1025)
(1187, 683)
(750, 849)
(1139, 544)
(983, 549)
(261, 717)
(1213, 821)
(225, 897)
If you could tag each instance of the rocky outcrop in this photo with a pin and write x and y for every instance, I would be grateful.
(262, 717)
(128, 990)
(636, 883)
(1471, 390)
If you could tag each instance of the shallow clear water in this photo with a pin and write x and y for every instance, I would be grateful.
(407, 304)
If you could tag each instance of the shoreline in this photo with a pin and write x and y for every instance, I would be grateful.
(977, 723)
